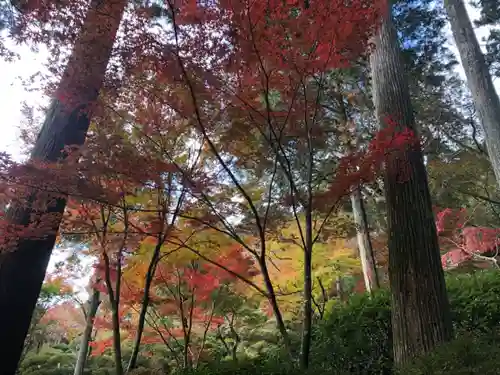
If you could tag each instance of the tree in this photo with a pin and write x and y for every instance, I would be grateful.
(66, 125)
(258, 112)
(92, 307)
(364, 241)
(490, 16)
(415, 270)
(483, 92)
(189, 297)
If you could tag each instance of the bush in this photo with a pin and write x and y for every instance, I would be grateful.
(475, 301)
(49, 361)
(261, 368)
(356, 337)
(468, 354)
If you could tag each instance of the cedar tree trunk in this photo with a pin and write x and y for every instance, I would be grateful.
(479, 80)
(420, 308)
(23, 267)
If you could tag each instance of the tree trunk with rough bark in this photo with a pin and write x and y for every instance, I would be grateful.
(479, 80)
(23, 267)
(94, 302)
(421, 316)
(364, 242)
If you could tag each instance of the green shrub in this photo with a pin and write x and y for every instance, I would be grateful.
(468, 354)
(100, 361)
(475, 301)
(50, 360)
(282, 367)
(356, 337)
(53, 371)
(63, 348)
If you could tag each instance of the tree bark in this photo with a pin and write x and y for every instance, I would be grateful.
(273, 301)
(479, 80)
(114, 301)
(117, 346)
(93, 304)
(23, 267)
(305, 349)
(364, 242)
(132, 364)
(420, 308)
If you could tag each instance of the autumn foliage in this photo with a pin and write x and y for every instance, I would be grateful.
(464, 243)
(207, 140)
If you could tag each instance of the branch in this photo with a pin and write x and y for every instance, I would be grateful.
(242, 278)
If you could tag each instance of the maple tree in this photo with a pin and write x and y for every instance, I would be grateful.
(186, 296)
(221, 126)
(239, 111)
(463, 242)
(192, 297)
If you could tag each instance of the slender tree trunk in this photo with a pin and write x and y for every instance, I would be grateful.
(93, 304)
(339, 287)
(115, 304)
(236, 339)
(483, 92)
(117, 346)
(144, 309)
(420, 308)
(307, 294)
(364, 242)
(23, 267)
(358, 209)
(280, 323)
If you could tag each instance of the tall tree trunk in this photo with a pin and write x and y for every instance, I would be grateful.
(23, 267)
(358, 209)
(420, 308)
(364, 242)
(483, 92)
(93, 304)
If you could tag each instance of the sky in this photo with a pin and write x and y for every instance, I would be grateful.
(13, 93)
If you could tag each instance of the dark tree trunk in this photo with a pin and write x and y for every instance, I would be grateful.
(22, 268)
(93, 304)
(117, 346)
(481, 86)
(132, 364)
(420, 308)
(305, 349)
(273, 301)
